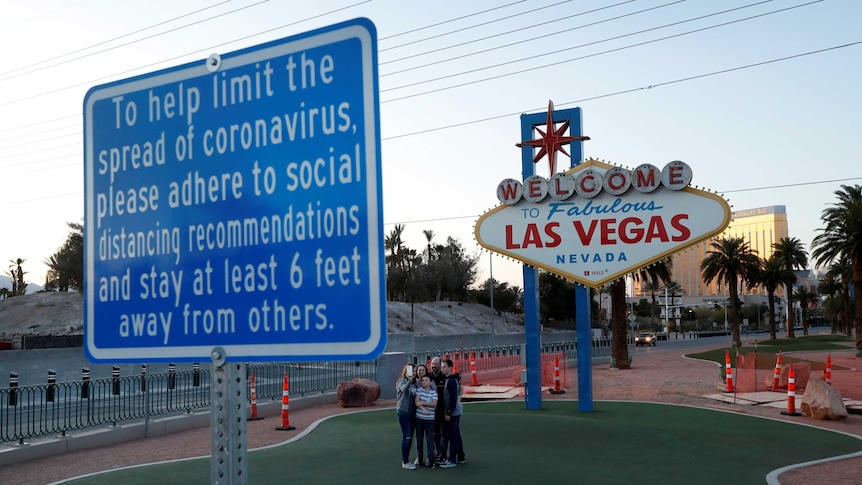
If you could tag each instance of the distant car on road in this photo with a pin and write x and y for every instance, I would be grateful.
(645, 339)
(6, 345)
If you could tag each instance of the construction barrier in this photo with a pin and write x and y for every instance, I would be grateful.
(556, 389)
(827, 378)
(473, 368)
(253, 393)
(728, 372)
(791, 394)
(285, 407)
(776, 376)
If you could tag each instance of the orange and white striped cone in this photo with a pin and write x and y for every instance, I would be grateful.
(254, 415)
(791, 394)
(728, 372)
(473, 368)
(828, 376)
(776, 377)
(285, 407)
(556, 389)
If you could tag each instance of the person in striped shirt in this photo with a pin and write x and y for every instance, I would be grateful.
(426, 403)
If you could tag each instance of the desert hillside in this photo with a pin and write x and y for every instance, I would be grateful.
(55, 313)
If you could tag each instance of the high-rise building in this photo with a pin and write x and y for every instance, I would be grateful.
(760, 227)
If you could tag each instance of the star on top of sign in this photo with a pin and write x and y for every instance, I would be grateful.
(552, 140)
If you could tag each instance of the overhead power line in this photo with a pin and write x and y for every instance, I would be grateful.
(111, 40)
(626, 91)
(132, 42)
(596, 54)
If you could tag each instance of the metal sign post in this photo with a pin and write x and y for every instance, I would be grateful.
(229, 459)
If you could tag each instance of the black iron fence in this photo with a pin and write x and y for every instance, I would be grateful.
(57, 408)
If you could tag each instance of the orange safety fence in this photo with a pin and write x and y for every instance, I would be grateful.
(757, 372)
(488, 362)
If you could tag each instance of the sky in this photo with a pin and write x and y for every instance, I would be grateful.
(760, 99)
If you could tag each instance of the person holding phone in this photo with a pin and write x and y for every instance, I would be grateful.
(405, 408)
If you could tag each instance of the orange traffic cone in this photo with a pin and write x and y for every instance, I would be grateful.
(777, 375)
(285, 407)
(791, 394)
(556, 389)
(728, 372)
(828, 376)
(254, 416)
(473, 368)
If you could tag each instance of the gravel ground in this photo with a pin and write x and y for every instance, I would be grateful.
(657, 376)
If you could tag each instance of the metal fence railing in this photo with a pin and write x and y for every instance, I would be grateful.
(56, 408)
(501, 357)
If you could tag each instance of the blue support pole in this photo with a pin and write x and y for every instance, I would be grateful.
(582, 293)
(585, 348)
(532, 327)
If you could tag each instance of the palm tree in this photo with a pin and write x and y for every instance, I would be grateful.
(653, 287)
(830, 286)
(805, 297)
(619, 345)
(771, 276)
(429, 235)
(843, 236)
(842, 270)
(17, 273)
(730, 260)
(672, 289)
(393, 244)
(790, 249)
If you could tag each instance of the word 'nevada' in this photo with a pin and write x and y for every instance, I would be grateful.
(589, 182)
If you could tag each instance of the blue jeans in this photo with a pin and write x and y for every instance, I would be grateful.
(452, 437)
(406, 422)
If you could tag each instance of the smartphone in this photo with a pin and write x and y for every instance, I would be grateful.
(409, 371)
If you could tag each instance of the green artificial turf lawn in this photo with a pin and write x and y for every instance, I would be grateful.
(618, 442)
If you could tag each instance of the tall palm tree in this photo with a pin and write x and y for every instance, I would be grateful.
(791, 250)
(843, 270)
(772, 275)
(393, 243)
(805, 297)
(672, 290)
(843, 236)
(17, 273)
(653, 287)
(619, 345)
(429, 235)
(730, 260)
(830, 286)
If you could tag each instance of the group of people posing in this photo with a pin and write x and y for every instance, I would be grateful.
(429, 404)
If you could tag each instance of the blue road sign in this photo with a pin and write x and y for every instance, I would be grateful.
(236, 202)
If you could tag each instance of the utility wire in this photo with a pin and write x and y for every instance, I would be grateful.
(110, 40)
(536, 56)
(470, 27)
(626, 91)
(450, 20)
(132, 42)
(519, 30)
(163, 61)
